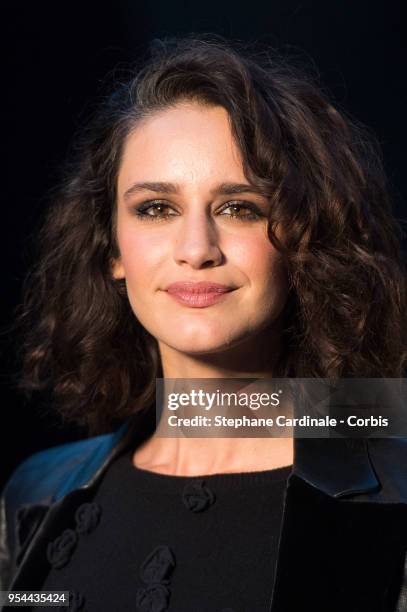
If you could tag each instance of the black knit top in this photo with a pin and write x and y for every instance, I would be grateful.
(152, 542)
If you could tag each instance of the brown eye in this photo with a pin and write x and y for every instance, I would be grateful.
(244, 211)
(154, 209)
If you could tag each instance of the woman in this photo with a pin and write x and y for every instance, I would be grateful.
(221, 220)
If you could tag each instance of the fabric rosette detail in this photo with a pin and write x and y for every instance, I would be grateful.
(87, 517)
(158, 565)
(155, 571)
(59, 551)
(197, 496)
(153, 598)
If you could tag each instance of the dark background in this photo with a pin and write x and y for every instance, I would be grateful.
(56, 57)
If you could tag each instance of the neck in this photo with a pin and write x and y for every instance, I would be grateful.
(197, 456)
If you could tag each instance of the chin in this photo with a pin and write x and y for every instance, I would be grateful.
(200, 348)
(197, 346)
(203, 341)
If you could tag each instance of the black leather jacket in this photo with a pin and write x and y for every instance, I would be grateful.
(344, 532)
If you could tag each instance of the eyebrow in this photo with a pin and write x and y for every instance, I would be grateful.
(174, 188)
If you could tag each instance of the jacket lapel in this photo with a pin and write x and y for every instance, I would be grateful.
(337, 466)
(33, 525)
(336, 554)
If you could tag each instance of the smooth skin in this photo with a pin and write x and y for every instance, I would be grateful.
(186, 229)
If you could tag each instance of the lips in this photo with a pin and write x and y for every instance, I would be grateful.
(198, 294)
(198, 287)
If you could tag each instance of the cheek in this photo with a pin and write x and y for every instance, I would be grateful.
(141, 253)
(256, 257)
(266, 276)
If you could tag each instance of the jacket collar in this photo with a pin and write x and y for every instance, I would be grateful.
(337, 466)
(129, 433)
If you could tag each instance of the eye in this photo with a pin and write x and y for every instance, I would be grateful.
(154, 209)
(244, 211)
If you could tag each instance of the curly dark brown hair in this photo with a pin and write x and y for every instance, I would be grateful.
(346, 311)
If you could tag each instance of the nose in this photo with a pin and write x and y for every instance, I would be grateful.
(197, 242)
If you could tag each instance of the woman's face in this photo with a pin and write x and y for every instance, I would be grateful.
(194, 222)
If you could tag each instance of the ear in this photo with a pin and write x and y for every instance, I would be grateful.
(117, 269)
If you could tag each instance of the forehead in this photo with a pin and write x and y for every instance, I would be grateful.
(189, 143)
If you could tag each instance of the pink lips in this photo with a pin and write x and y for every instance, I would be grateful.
(198, 294)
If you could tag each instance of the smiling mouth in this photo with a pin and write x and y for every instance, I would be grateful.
(198, 300)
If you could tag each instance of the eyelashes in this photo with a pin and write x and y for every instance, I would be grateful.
(253, 213)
